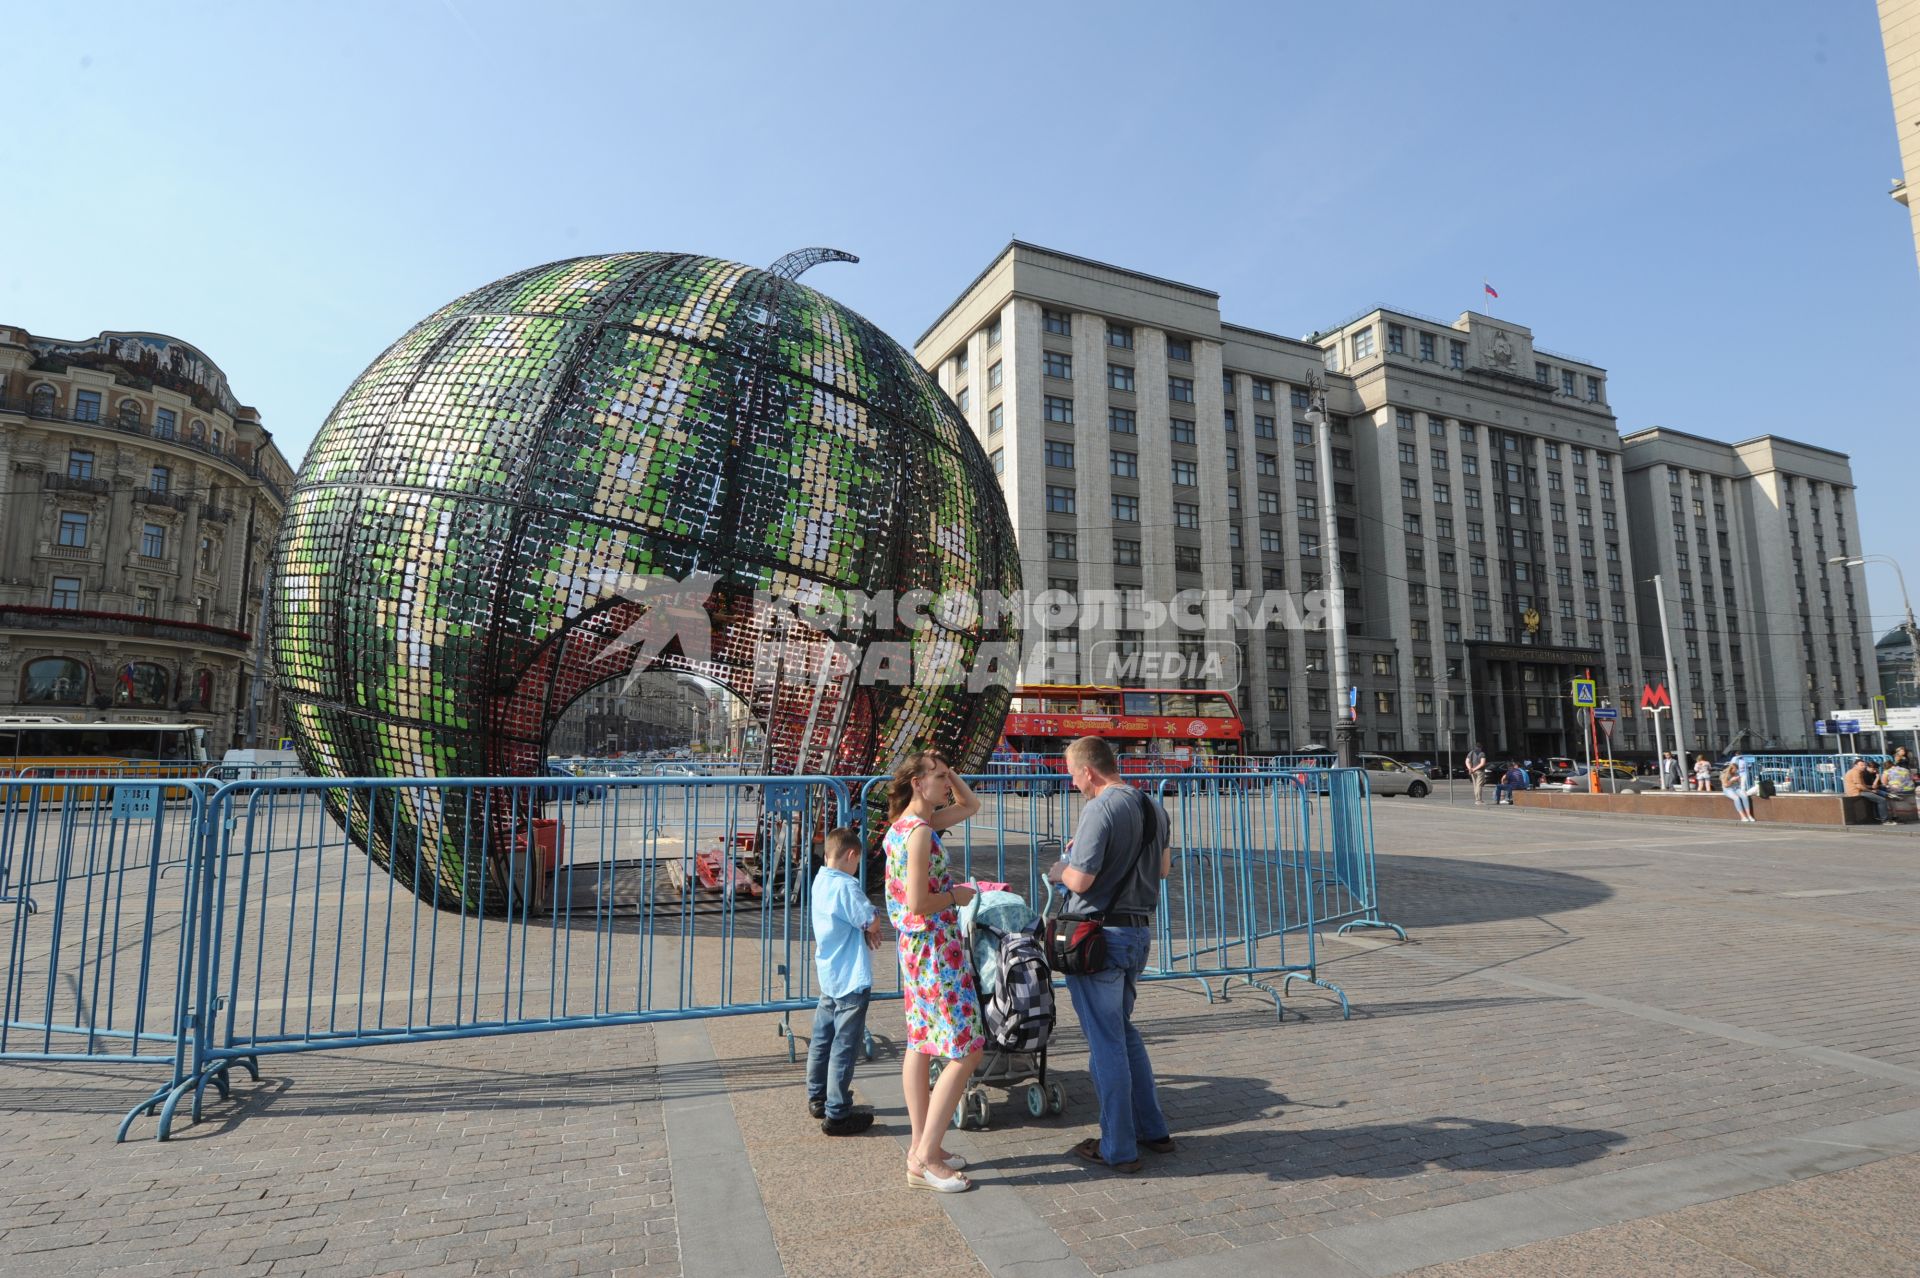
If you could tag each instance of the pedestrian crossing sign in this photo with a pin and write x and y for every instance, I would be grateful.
(1583, 694)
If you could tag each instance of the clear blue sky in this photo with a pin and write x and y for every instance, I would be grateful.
(1692, 196)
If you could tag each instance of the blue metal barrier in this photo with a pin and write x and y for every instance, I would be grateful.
(98, 941)
(633, 899)
(1807, 773)
(309, 946)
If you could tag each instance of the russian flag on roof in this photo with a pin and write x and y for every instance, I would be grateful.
(1491, 291)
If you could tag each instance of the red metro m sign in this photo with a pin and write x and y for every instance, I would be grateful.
(1653, 696)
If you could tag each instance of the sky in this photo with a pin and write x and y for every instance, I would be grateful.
(1693, 197)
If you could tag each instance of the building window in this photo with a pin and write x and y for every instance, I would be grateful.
(153, 541)
(1226, 387)
(65, 593)
(1126, 508)
(1059, 454)
(1121, 421)
(1442, 524)
(1186, 473)
(1578, 455)
(1181, 430)
(130, 412)
(1186, 514)
(1263, 427)
(1410, 489)
(1062, 545)
(1426, 346)
(1180, 390)
(1181, 349)
(1306, 506)
(1263, 390)
(1303, 470)
(1186, 558)
(53, 681)
(996, 373)
(1309, 545)
(1363, 343)
(1267, 465)
(1593, 390)
(73, 527)
(1231, 425)
(999, 459)
(86, 406)
(1268, 503)
(142, 683)
(1396, 339)
(43, 399)
(1443, 494)
(963, 400)
(1055, 364)
(1566, 382)
(1126, 554)
(1457, 354)
(1059, 499)
(1410, 524)
(1059, 409)
(159, 479)
(996, 419)
(1058, 322)
(960, 363)
(993, 331)
(1119, 377)
(1120, 336)
(79, 464)
(1123, 465)
(165, 424)
(1270, 541)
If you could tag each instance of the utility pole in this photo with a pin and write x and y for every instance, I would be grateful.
(1673, 684)
(1335, 579)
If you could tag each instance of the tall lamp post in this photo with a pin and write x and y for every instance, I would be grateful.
(1343, 729)
(1913, 631)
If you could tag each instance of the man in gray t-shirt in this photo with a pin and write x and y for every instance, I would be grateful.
(1109, 872)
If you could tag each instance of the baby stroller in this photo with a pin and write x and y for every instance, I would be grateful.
(1015, 1056)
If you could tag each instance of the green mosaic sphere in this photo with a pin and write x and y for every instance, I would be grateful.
(485, 518)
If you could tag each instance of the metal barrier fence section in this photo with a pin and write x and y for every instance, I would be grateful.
(200, 928)
(1807, 773)
(98, 931)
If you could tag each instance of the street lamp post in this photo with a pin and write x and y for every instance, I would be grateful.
(1343, 730)
(1913, 631)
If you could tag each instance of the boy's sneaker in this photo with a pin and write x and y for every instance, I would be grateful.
(817, 1108)
(849, 1125)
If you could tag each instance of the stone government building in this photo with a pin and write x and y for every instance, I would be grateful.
(1497, 533)
(139, 502)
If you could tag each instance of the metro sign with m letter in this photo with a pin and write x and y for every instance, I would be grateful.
(1653, 696)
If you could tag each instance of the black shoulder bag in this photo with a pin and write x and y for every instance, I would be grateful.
(1077, 943)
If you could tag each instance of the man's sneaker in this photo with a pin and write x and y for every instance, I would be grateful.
(817, 1108)
(850, 1125)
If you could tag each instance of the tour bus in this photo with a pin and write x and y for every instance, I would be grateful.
(54, 747)
(1151, 729)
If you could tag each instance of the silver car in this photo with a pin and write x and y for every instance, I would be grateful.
(1387, 776)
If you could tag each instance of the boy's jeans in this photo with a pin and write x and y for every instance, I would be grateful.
(839, 1035)
(1116, 1056)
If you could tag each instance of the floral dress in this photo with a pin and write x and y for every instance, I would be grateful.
(936, 978)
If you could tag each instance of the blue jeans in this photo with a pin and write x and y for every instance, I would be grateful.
(1116, 1056)
(839, 1034)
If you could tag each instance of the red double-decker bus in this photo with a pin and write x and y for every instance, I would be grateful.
(1152, 729)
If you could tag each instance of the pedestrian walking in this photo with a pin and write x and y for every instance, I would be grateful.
(1112, 871)
(1702, 774)
(1477, 771)
(1669, 771)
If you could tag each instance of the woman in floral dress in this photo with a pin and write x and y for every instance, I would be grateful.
(936, 977)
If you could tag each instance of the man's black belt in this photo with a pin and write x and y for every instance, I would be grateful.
(1127, 920)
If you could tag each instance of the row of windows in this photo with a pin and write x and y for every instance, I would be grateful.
(76, 530)
(87, 406)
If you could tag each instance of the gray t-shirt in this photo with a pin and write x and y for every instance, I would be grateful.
(1104, 845)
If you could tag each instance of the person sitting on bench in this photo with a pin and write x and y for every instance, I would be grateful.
(1861, 783)
(1515, 779)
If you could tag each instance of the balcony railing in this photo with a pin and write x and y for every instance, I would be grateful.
(120, 624)
(161, 497)
(74, 484)
(216, 514)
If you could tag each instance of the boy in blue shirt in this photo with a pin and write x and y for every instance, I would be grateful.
(845, 927)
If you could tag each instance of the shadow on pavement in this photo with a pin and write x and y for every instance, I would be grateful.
(1364, 1150)
(1427, 891)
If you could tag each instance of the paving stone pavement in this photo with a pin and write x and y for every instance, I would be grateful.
(1609, 1044)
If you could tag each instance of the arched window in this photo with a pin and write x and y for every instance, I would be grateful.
(130, 412)
(54, 681)
(142, 683)
(43, 400)
(197, 432)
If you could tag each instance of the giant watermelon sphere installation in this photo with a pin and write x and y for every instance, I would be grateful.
(523, 482)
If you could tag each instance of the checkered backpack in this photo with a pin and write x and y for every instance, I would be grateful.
(1019, 1013)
